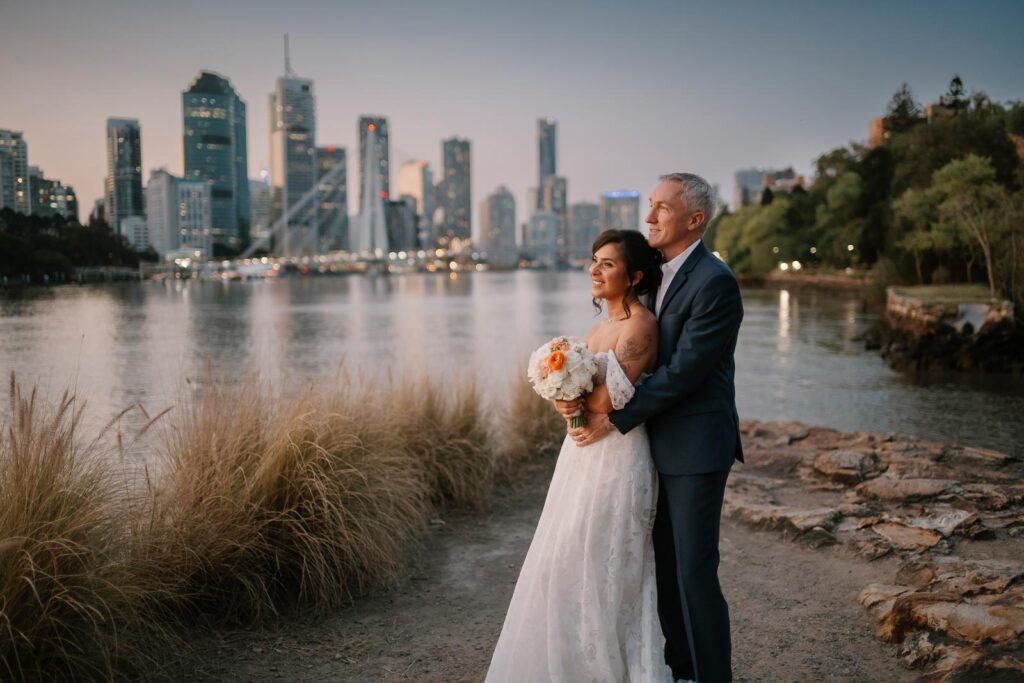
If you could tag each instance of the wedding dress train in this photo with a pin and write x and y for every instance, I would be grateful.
(585, 605)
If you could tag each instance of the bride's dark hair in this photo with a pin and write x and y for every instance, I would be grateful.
(639, 256)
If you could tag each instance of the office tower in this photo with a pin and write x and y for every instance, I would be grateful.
(498, 227)
(542, 238)
(195, 216)
(584, 226)
(136, 231)
(401, 222)
(332, 197)
(546, 148)
(382, 154)
(259, 211)
(214, 148)
(162, 209)
(457, 192)
(99, 212)
(124, 171)
(555, 200)
(14, 192)
(371, 238)
(620, 210)
(293, 161)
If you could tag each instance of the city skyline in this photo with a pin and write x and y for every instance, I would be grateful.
(734, 95)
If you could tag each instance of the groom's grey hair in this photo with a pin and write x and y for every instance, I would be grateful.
(698, 195)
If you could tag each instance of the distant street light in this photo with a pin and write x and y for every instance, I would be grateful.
(849, 247)
(775, 250)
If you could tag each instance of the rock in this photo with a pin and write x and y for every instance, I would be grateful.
(817, 538)
(905, 490)
(870, 547)
(783, 517)
(986, 455)
(992, 496)
(972, 623)
(854, 510)
(877, 593)
(916, 574)
(907, 537)
(946, 521)
(848, 466)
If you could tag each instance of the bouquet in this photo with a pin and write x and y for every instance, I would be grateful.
(563, 369)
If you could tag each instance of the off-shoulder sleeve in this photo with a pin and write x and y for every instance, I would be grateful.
(620, 389)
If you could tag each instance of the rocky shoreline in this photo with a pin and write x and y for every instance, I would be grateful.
(953, 517)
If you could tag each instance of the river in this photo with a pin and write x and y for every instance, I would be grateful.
(799, 355)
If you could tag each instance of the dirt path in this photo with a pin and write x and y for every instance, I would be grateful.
(794, 613)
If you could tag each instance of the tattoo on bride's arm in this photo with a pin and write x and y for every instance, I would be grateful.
(634, 349)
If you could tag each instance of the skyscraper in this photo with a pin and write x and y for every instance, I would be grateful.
(14, 192)
(40, 192)
(195, 215)
(748, 187)
(542, 238)
(546, 148)
(584, 226)
(162, 211)
(401, 220)
(332, 197)
(371, 237)
(293, 172)
(498, 227)
(259, 211)
(383, 155)
(555, 200)
(124, 171)
(416, 180)
(457, 191)
(620, 210)
(214, 148)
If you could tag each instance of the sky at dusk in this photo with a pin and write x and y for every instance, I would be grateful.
(638, 88)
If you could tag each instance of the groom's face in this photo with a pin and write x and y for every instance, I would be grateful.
(673, 226)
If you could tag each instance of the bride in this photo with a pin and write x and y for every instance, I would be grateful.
(585, 605)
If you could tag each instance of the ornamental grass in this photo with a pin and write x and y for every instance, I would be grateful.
(253, 505)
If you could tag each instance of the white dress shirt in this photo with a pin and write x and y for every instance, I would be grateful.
(668, 272)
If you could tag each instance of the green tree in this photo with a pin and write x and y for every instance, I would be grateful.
(903, 112)
(918, 210)
(973, 203)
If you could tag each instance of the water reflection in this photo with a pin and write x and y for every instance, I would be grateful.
(799, 355)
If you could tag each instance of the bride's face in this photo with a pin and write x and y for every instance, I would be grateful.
(608, 277)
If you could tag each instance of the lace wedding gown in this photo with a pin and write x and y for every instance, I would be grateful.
(585, 606)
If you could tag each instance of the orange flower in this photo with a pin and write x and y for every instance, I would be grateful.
(556, 360)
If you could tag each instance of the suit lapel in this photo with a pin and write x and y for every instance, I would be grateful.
(680, 277)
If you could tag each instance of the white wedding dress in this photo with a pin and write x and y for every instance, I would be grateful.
(585, 606)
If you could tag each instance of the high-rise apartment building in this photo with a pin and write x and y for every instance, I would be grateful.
(620, 210)
(416, 180)
(214, 148)
(371, 235)
(498, 227)
(162, 211)
(584, 227)
(546, 150)
(123, 196)
(293, 173)
(14, 191)
(179, 214)
(332, 197)
(456, 191)
(382, 166)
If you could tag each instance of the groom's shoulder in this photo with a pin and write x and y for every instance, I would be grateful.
(712, 267)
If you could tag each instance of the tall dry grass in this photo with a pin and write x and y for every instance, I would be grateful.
(68, 608)
(256, 504)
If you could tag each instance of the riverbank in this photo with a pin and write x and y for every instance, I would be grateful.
(803, 545)
(957, 328)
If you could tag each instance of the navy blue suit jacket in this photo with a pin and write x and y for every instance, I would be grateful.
(689, 401)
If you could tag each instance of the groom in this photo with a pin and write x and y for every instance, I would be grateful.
(689, 406)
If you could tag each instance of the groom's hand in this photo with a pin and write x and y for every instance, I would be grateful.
(598, 426)
(568, 408)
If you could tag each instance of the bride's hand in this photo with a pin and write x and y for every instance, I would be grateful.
(568, 408)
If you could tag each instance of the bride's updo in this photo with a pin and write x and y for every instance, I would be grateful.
(639, 257)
